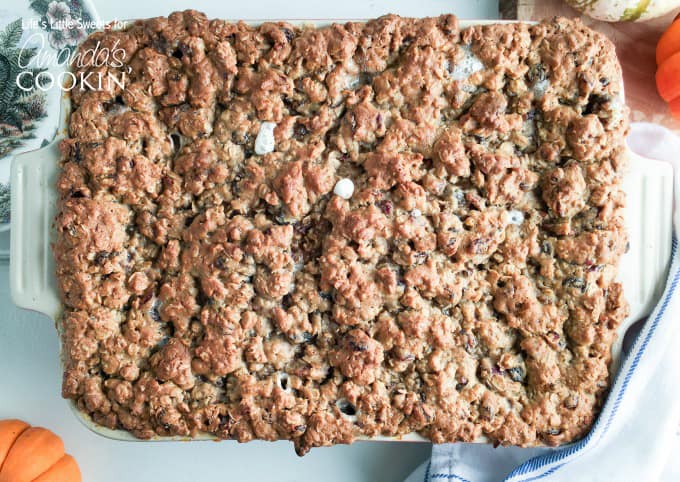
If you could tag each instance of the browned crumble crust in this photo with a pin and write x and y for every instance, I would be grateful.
(466, 289)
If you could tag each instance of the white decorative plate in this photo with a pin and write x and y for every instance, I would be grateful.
(37, 39)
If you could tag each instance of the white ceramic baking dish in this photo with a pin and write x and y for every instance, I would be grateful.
(648, 185)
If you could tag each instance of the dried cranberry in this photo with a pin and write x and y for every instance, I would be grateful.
(302, 228)
(224, 420)
(290, 35)
(575, 282)
(300, 131)
(462, 383)
(386, 206)
(101, 257)
(148, 294)
(220, 262)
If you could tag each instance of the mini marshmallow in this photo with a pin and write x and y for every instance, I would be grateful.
(344, 188)
(467, 66)
(265, 142)
(347, 410)
(416, 213)
(516, 217)
(540, 88)
(283, 381)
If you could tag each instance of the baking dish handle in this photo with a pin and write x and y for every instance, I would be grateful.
(32, 279)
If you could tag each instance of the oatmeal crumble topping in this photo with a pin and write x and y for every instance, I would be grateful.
(219, 275)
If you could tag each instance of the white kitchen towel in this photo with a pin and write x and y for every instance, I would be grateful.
(636, 430)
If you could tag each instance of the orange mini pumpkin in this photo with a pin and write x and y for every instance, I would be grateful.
(668, 71)
(34, 454)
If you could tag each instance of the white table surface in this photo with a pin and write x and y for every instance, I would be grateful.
(30, 375)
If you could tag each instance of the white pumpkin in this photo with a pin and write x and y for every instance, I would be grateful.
(624, 10)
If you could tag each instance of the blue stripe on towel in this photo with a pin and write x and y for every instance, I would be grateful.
(449, 477)
(427, 471)
(547, 461)
(545, 474)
